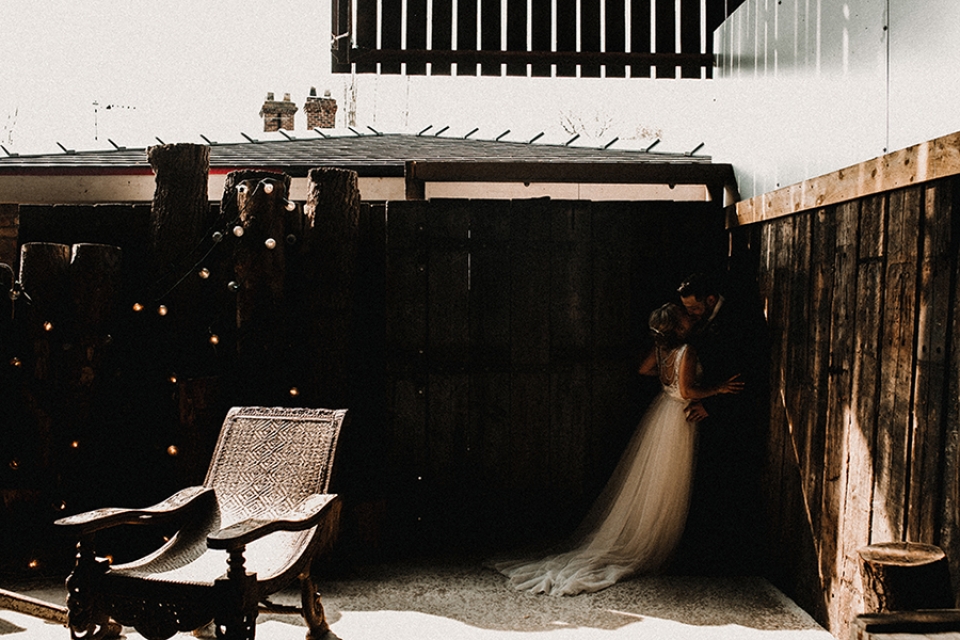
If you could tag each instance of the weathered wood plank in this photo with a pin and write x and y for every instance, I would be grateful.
(858, 489)
(896, 367)
(934, 298)
(927, 161)
(823, 247)
(950, 507)
(839, 420)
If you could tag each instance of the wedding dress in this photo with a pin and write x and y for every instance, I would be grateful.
(636, 522)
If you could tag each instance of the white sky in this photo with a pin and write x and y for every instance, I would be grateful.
(180, 68)
(176, 69)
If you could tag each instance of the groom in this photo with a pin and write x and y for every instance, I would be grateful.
(722, 529)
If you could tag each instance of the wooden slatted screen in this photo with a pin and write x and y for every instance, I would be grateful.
(565, 38)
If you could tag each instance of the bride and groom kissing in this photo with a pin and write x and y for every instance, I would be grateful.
(638, 520)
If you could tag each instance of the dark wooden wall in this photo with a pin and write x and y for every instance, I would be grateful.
(492, 371)
(861, 304)
(513, 331)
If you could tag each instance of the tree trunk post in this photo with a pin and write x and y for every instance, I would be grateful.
(255, 204)
(182, 236)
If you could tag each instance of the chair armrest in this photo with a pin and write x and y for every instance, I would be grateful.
(305, 515)
(91, 521)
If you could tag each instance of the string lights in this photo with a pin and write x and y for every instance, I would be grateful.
(199, 266)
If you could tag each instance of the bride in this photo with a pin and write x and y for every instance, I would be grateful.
(638, 518)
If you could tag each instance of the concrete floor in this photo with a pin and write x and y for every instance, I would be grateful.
(459, 599)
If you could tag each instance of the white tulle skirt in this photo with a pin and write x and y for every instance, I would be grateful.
(636, 522)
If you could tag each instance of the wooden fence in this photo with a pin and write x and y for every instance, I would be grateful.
(865, 398)
(489, 360)
(513, 331)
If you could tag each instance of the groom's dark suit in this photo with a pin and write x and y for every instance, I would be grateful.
(725, 508)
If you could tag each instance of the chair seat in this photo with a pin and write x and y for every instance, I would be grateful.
(271, 557)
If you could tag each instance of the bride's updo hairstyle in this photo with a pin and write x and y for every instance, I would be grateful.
(664, 323)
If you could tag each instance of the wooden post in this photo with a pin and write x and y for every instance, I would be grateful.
(905, 576)
(332, 218)
(255, 209)
(182, 236)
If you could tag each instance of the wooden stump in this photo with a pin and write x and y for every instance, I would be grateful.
(905, 576)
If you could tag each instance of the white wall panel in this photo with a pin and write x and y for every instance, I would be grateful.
(806, 87)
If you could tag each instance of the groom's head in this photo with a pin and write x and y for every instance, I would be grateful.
(699, 294)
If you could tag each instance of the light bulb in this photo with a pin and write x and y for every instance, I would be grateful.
(290, 206)
(172, 450)
(16, 362)
(217, 236)
(238, 231)
(75, 444)
(242, 188)
(268, 187)
(270, 243)
(294, 392)
(204, 273)
(137, 307)
(233, 286)
(214, 339)
(162, 310)
(172, 379)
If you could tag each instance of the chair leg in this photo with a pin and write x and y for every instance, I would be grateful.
(312, 608)
(237, 618)
(86, 618)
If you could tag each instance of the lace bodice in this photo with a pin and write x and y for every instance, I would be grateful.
(670, 379)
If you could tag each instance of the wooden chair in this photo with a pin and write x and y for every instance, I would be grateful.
(251, 529)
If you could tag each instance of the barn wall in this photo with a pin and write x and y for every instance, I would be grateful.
(860, 299)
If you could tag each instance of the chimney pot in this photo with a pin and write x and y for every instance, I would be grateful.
(278, 115)
(321, 112)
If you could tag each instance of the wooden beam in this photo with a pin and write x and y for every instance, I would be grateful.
(467, 56)
(931, 160)
(704, 173)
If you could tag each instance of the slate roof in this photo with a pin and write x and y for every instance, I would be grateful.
(381, 154)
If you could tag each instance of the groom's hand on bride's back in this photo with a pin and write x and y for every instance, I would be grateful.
(695, 412)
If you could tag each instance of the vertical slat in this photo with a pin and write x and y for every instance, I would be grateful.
(517, 34)
(391, 28)
(666, 33)
(640, 35)
(566, 34)
(340, 51)
(448, 348)
(858, 496)
(590, 35)
(571, 301)
(467, 33)
(416, 28)
(618, 263)
(530, 348)
(930, 376)
(365, 32)
(541, 36)
(490, 23)
(615, 34)
(950, 527)
(441, 35)
(490, 425)
(896, 367)
(405, 289)
(823, 246)
(690, 35)
(839, 418)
